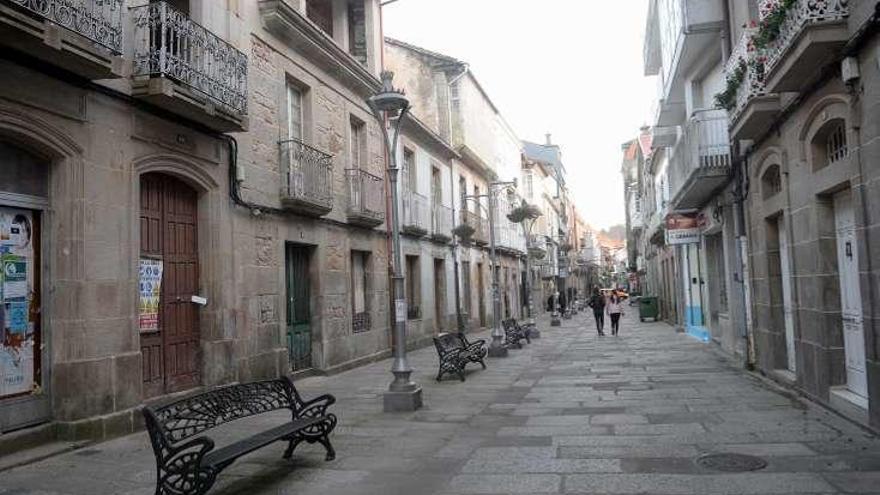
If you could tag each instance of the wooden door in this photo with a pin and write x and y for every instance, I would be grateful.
(439, 294)
(169, 233)
(481, 294)
(299, 330)
(850, 295)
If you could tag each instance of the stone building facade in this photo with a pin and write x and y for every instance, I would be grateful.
(807, 126)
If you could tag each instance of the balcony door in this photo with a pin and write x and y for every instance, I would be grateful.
(169, 325)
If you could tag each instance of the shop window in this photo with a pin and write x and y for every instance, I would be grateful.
(771, 182)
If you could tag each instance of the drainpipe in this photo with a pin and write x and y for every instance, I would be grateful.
(740, 192)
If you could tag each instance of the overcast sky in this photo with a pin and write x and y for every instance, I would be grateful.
(572, 68)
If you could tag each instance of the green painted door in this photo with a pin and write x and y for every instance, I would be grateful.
(299, 332)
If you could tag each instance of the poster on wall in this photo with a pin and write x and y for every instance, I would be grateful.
(150, 288)
(17, 314)
(682, 229)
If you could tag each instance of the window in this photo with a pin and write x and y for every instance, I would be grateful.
(436, 186)
(321, 13)
(413, 288)
(360, 289)
(357, 31)
(358, 143)
(409, 170)
(294, 112)
(477, 199)
(462, 190)
(528, 182)
(771, 182)
(715, 243)
(829, 145)
(835, 145)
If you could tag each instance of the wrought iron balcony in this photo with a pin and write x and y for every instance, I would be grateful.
(82, 36)
(480, 226)
(811, 34)
(701, 161)
(366, 198)
(537, 246)
(187, 69)
(308, 188)
(752, 109)
(548, 270)
(441, 223)
(416, 215)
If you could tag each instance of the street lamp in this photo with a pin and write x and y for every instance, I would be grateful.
(526, 215)
(496, 347)
(390, 107)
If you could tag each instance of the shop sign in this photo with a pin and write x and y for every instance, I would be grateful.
(682, 229)
(150, 290)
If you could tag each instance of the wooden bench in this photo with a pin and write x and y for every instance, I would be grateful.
(186, 465)
(514, 334)
(456, 351)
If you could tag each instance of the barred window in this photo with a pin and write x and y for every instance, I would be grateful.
(835, 144)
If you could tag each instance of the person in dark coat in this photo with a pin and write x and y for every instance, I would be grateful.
(597, 302)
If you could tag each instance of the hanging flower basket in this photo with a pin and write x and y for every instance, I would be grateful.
(464, 232)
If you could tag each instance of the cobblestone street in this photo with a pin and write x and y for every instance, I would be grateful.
(570, 413)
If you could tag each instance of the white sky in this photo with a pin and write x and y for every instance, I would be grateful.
(569, 67)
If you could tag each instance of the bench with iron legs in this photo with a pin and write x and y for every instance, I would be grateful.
(455, 351)
(187, 465)
(514, 334)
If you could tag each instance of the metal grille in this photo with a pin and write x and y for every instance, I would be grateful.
(835, 145)
(415, 212)
(309, 173)
(167, 43)
(731, 463)
(441, 222)
(97, 20)
(366, 194)
(361, 322)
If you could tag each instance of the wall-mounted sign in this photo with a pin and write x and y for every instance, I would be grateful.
(682, 229)
(149, 289)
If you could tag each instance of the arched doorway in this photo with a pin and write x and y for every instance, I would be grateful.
(168, 279)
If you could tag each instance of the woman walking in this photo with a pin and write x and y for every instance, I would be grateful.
(597, 302)
(615, 310)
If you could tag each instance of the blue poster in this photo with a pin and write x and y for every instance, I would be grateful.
(17, 316)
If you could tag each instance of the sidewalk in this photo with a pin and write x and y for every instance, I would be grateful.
(570, 413)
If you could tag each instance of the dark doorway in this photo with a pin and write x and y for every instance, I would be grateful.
(299, 315)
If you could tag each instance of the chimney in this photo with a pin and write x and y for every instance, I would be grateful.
(549, 141)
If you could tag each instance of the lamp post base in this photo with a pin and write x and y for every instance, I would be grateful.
(402, 401)
(497, 349)
(555, 321)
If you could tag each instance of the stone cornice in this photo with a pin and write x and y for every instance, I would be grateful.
(285, 22)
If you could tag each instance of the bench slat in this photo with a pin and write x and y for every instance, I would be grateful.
(258, 441)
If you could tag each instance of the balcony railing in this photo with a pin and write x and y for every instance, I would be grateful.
(548, 270)
(98, 20)
(480, 226)
(441, 223)
(308, 187)
(742, 59)
(168, 44)
(537, 246)
(416, 215)
(802, 14)
(366, 198)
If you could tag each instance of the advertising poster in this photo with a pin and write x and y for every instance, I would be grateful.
(150, 288)
(682, 229)
(17, 339)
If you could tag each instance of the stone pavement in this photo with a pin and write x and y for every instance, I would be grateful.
(570, 413)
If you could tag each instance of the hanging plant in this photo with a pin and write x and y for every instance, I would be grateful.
(727, 98)
(774, 15)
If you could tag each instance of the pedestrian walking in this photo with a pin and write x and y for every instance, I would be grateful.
(615, 310)
(597, 302)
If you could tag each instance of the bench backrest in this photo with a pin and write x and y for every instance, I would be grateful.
(446, 341)
(184, 418)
